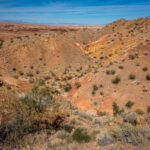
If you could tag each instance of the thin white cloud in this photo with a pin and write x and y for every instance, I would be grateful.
(66, 9)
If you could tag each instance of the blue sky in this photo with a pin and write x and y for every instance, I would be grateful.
(72, 11)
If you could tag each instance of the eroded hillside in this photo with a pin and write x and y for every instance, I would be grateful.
(78, 79)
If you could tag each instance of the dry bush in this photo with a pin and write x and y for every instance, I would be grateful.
(28, 113)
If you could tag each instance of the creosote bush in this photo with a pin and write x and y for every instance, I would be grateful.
(120, 67)
(67, 87)
(129, 104)
(116, 80)
(148, 77)
(95, 87)
(131, 76)
(116, 109)
(148, 109)
(131, 57)
(145, 69)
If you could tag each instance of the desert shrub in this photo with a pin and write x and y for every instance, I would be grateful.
(101, 113)
(131, 57)
(31, 81)
(67, 78)
(93, 92)
(37, 72)
(57, 78)
(53, 74)
(130, 134)
(148, 109)
(11, 40)
(95, 87)
(131, 76)
(21, 73)
(40, 82)
(130, 118)
(62, 134)
(30, 74)
(145, 69)
(120, 67)
(77, 85)
(101, 93)
(31, 67)
(108, 72)
(148, 77)
(80, 135)
(25, 112)
(101, 86)
(139, 111)
(15, 76)
(116, 80)
(28, 114)
(19, 37)
(67, 87)
(47, 77)
(1, 43)
(83, 115)
(116, 109)
(14, 69)
(112, 72)
(129, 104)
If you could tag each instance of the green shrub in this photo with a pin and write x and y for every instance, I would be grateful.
(148, 109)
(1, 43)
(131, 77)
(110, 72)
(37, 72)
(145, 69)
(21, 73)
(116, 109)
(95, 87)
(107, 72)
(116, 80)
(31, 67)
(101, 93)
(120, 67)
(80, 135)
(131, 57)
(67, 87)
(15, 76)
(14, 69)
(40, 82)
(148, 77)
(101, 86)
(129, 104)
(30, 74)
